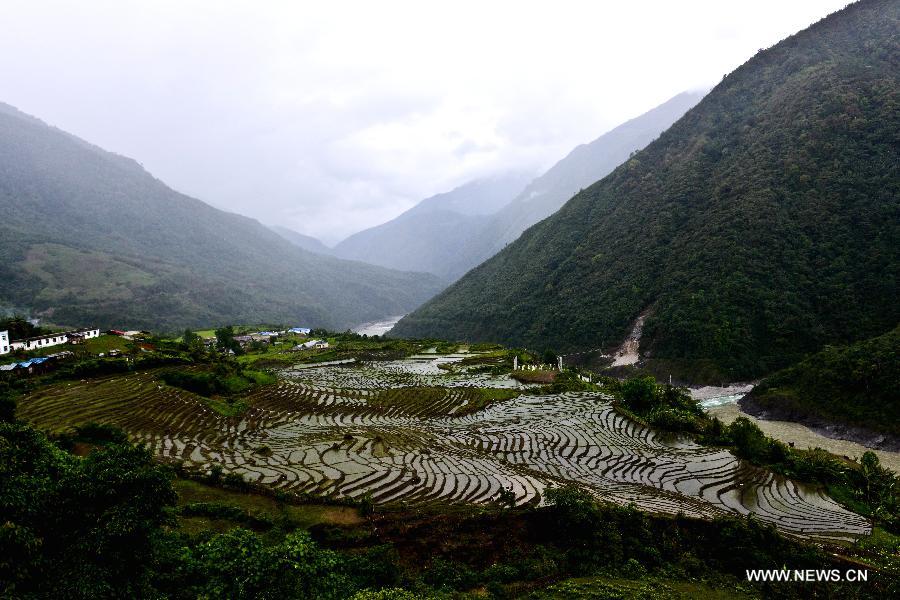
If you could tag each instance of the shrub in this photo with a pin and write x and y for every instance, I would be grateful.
(236, 481)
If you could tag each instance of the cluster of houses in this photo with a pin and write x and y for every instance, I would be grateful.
(44, 341)
(268, 336)
(37, 365)
(41, 364)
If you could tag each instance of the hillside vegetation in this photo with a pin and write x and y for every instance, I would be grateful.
(584, 165)
(761, 226)
(449, 234)
(856, 385)
(90, 237)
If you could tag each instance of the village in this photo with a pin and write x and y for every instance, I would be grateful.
(33, 355)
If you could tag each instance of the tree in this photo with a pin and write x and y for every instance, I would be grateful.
(639, 393)
(19, 328)
(225, 340)
(73, 527)
(749, 441)
(191, 341)
(549, 357)
(239, 565)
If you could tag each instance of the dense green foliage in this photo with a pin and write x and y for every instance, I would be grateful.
(225, 378)
(89, 236)
(663, 406)
(76, 528)
(761, 226)
(857, 385)
(20, 328)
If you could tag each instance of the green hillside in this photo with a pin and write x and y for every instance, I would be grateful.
(856, 385)
(583, 166)
(759, 227)
(90, 237)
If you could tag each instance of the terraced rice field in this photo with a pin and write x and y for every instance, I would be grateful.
(346, 431)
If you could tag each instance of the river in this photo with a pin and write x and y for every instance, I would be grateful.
(377, 327)
(722, 403)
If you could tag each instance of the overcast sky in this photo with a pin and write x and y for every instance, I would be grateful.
(329, 117)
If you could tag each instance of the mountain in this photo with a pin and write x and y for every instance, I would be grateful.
(850, 389)
(307, 242)
(583, 166)
(759, 227)
(89, 237)
(429, 236)
(451, 233)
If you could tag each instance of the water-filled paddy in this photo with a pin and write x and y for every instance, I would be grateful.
(389, 430)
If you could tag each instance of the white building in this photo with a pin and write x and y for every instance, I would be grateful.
(4, 342)
(312, 344)
(54, 339)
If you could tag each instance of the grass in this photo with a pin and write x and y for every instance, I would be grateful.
(608, 588)
(257, 510)
(419, 395)
(534, 376)
(105, 343)
(487, 396)
(227, 407)
(881, 549)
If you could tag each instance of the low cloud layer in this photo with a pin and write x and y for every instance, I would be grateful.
(332, 117)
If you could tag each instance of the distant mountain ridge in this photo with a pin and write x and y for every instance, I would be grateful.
(428, 237)
(449, 234)
(307, 242)
(579, 169)
(759, 227)
(89, 237)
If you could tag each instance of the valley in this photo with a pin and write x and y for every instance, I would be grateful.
(658, 365)
(414, 431)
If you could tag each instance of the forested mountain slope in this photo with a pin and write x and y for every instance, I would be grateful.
(761, 226)
(855, 386)
(90, 237)
(449, 234)
(583, 166)
(428, 237)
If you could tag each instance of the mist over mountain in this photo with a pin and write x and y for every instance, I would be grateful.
(449, 234)
(88, 236)
(583, 166)
(429, 236)
(760, 226)
(307, 242)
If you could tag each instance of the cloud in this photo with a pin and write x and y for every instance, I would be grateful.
(331, 117)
